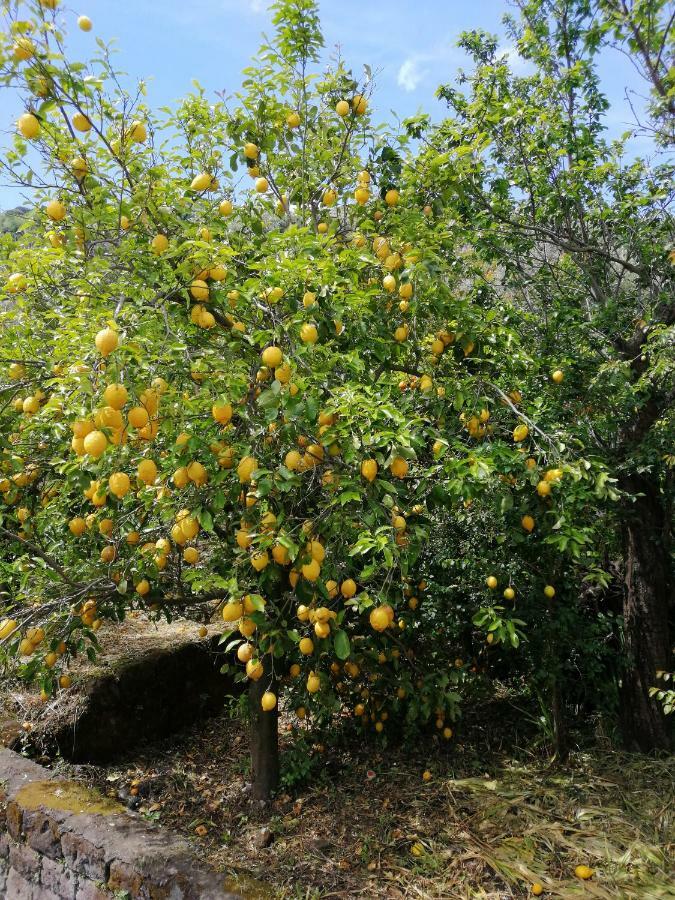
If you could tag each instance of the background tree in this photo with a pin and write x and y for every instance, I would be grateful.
(578, 236)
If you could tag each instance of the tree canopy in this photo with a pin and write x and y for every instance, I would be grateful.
(379, 398)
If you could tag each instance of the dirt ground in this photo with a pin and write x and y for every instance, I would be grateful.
(365, 824)
(354, 817)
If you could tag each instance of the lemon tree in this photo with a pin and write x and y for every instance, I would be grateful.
(247, 372)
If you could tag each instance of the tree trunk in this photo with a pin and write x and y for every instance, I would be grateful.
(647, 595)
(264, 736)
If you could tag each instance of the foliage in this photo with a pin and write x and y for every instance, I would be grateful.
(278, 403)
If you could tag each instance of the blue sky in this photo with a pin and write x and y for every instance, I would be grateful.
(410, 44)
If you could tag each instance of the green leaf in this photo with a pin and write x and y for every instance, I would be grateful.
(341, 644)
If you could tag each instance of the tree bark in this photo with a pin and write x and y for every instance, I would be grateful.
(264, 736)
(648, 593)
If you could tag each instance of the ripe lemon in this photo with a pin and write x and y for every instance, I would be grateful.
(28, 125)
(115, 395)
(119, 484)
(321, 629)
(247, 466)
(247, 627)
(106, 341)
(272, 357)
(260, 561)
(244, 539)
(95, 443)
(369, 469)
(138, 132)
(379, 619)
(348, 588)
(159, 244)
(342, 108)
(138, 417)
(77, 526)
(81, 122)
(55, 210)
(232, 611)
(359, 105)
(222, 412)
(491, 582)
(399, 467)
(268, 701)
(293, 460)
(254, 669)
(201, 182)
(199, 289)
(245, 652)
(306, 646)
(309, 333)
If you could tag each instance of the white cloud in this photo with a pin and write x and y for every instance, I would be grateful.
(519, 66)
(411, 74)
(257, 6)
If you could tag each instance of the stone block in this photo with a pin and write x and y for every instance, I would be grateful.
(58, 879)
(25, 861)
(16, 771)
(43, 831)
(19, 889)
(124, 877)
(83, 856)
(92, 890)
(14, 820)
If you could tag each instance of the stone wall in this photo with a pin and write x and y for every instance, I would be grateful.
(59, 840)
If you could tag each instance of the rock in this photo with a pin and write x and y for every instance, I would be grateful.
(262, 838)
